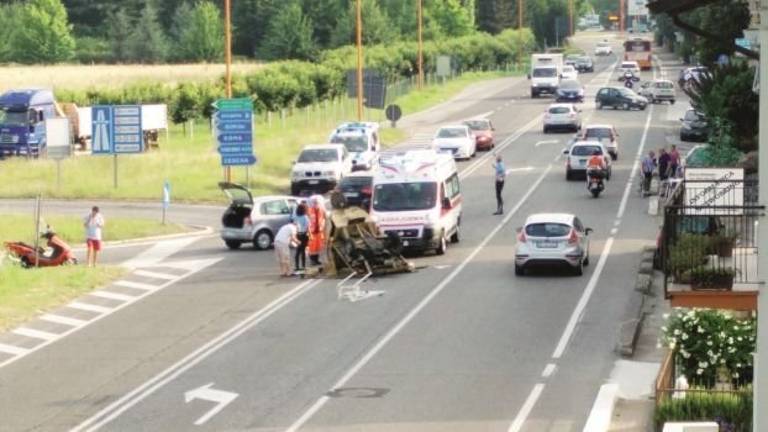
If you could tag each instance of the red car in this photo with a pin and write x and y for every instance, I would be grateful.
(483, 131)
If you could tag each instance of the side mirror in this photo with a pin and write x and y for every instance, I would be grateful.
(447, 203)
(565, 151)
(681, 119)
(529, 76)
(588, 230)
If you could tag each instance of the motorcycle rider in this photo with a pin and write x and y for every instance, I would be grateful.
(596, 167)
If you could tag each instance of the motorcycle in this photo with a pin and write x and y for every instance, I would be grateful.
(595, 183)
(629, 76)
(27, 256)
(628, 84)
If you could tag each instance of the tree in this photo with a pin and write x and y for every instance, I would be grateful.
(447, 18)
(198, 32)
(290, 35)
(494, 16)
(148, 42)
(325, 15)
(41, 33)
(119, 33)
(377, 27)
(250, 21)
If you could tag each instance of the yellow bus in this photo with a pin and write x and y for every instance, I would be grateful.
(639, 50)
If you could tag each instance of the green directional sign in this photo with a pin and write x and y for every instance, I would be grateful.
(238, 104)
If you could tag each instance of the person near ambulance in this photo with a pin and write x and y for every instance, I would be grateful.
(316, 228)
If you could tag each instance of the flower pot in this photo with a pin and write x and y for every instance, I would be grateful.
(713, 283)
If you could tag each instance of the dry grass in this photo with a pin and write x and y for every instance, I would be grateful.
(85, 76)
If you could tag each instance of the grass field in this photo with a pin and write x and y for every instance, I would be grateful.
(84, 76)
(190, 162)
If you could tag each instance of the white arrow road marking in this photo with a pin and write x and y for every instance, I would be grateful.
(221, 397)
(547, 142)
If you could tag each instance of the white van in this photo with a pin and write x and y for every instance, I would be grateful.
(417, 196)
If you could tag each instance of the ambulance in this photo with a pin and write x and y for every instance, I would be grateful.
(417, 196)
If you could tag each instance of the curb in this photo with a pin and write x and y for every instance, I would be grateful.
(200, 231)
(600, 416)
(634, 314)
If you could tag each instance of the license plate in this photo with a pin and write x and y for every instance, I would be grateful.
(547, 244)
(405, 243)
(351, 194)
(582, 162)
(314, 182)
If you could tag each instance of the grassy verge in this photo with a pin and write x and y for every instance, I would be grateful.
(188, 159)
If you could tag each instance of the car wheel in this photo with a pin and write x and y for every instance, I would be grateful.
(586, 261)
(568, 175)
(599, 105)
(610, 173)
(519, 271)
(671, 101)
(456, 237)
(579, 270)
(625, 106)
(443, 246)
(295, 190)
(233, 244)
(546, 129)
(262, 240)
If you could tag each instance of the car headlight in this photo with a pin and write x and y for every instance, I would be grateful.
(535, 84)
(329, 173)
(295, 174)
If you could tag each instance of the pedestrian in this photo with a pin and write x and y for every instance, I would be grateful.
(664, 164)
(648, 166)
(302, 227)
(674, 161)
(285, 238)
(500, 172)
(93, 223)
(316, 228)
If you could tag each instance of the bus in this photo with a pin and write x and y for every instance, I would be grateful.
(638, 50)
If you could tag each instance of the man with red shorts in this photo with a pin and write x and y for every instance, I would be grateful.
(93, 224)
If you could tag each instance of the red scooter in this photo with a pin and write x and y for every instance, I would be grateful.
(61, 253)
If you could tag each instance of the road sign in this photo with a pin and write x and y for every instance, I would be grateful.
(127, 134)
(374, 88)
(393, 113)
(101, 129)
(233, 125)
(58, 142)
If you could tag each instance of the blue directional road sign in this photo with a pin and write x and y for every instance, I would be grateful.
(233, 126)
(116, 129)
(101, 129)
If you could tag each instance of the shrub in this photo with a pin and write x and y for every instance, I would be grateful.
(732, 411)
(689, 252)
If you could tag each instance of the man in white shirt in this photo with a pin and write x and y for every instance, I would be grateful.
(286, 237)
(93, 224)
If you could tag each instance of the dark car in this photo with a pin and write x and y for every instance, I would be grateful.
(571, 59)
(356, 189)
(570, 91)
(584, 64)
(619, 97)
(693, 127)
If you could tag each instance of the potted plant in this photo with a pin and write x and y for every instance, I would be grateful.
(688, 253)
(722, 245)
(711, 278)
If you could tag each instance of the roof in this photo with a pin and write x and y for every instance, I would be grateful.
(452, 126)
(26, 97)
(323, 147)
(597, 126)
(564, 218)
(263, 198)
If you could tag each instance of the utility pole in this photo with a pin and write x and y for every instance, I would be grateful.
(570, 17)
(621, 16)
(228, 61)
(359, 31)
(519, 14)
(420, 60)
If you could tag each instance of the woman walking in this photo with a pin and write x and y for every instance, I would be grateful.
(302, 234)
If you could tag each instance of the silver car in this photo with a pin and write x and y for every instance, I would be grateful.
(552, 239)
(256, 221)
(562, 116)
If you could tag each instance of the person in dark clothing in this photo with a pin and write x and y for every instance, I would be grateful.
(500, 172)
(665, 162)
(302, 233)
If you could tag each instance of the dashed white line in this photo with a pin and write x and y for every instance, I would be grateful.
(155, 275)
(112, 296)
(525, 410)
(13, 350)
(614, 231)
(137, 285)
(58, 319)
(89, 307)
(35, 334)
(548, 370)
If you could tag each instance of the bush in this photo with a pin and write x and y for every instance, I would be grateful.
(732, 411)
(689, 252)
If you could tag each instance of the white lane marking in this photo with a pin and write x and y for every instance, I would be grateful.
(547, 142)
(614, 231)
(89, 307)
(155, 275)
(137, 285)
(522, 169)
(525, 410)
(548, 370)
(58, 319)
(138, 394)
(159, 252)
(318, 405)
(77, 324)
(112, 296)
(482, 116)
(599, 419)
(35, 334)
(13, 350)
(221, 397)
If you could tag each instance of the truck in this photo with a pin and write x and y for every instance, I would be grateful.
(546, 70)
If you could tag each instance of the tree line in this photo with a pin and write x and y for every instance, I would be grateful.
(154, 31)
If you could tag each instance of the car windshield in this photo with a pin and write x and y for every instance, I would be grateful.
(691, 116)
(598, 133)
(405, 196)
(353, 143)
(545, 73)
(547, 229)
(559, 110)
(319, 155)
(584, 60)
(602, 45)
(628, 65)
(627, 92)
(14, 118)
(452, 133)
(586, 150)
(568, 69)
(481, 125)
(664, 85)
(570, 85)
(354, 181)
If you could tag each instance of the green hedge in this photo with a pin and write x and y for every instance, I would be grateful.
(291, 84)
(733, 411)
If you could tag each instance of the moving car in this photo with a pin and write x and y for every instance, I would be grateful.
(483, 131)
(571, 59)
(619, 97)
(457, 140)
(361, 140)
(693, 127)
(545, 73)
(562, 116)
(603, 48)
(357, 189)
(549, 239)
(319, 168)
(631, 66)
(658, 91)
(256, 221)
(417, 197)
(604, 133)
(689, 75)
(569, 73)
(570, 91)
(584, 64)
(579, 154)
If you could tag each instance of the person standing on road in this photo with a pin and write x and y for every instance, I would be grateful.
(500, 172)
(302, 227)
(647, 166)
(93, 224)
(285, 238)
(316, 228)
(665, 164)
(674, 161)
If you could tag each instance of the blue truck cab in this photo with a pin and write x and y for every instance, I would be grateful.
(22, 121)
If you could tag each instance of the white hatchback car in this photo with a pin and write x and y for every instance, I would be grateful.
(631, 66)
(604, 133)
(579, 154)
(569, 73)
(552, 239)
(603, 48)
(562, 116)
(457, 140)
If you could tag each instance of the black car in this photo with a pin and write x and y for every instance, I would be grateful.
(694, 127)
(357, 188)
(584, 64)
(570, 91)
(619, 97)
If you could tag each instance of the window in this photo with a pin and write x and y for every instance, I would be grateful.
(452, 186)
(577, 224)
(481, 125)
(547, 229)
(559, 110)
(586, 150)
(603, 92)
(452, 133)
(545, 73)
(404, 196)
(319, 155)
(274, 208)
(598, 133)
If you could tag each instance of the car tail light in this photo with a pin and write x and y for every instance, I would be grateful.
(521, 237)
(366, 190)
(574, 238)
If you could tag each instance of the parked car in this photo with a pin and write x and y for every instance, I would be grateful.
(570, 90)
(457, 140)
(604, 133)
(571, 59)
(631, 66)
(569, 73)
(361, 140)
(319, 168)
(549, 239)
(584, 64)
(256, 221)
(693, 127)
(562, 116)
(603, 49)
(357, 189)
(578, 155)
(483, 131)
(689, 75)
(619, 97)
(658, 91)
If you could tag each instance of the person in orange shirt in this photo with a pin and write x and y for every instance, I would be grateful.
(596, 166)
(316, 228)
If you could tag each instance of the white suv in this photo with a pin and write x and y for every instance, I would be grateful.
(603, 48)
(658, 91)
(319, 168)
(457, 140)
(579, 154)
(631, 66)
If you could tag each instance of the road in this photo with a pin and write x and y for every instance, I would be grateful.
(462, 344)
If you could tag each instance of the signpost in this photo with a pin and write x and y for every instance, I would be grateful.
(115, 130)
(233, 126)
(59, 145)
(714, 190)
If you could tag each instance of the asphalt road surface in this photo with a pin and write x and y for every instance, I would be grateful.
(460, 345)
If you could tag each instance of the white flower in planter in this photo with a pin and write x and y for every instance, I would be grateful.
(735, 375)
(699, 371)
(703, 364)
(700, 329)
(685, 336)
(677, 332)
(709, 342)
